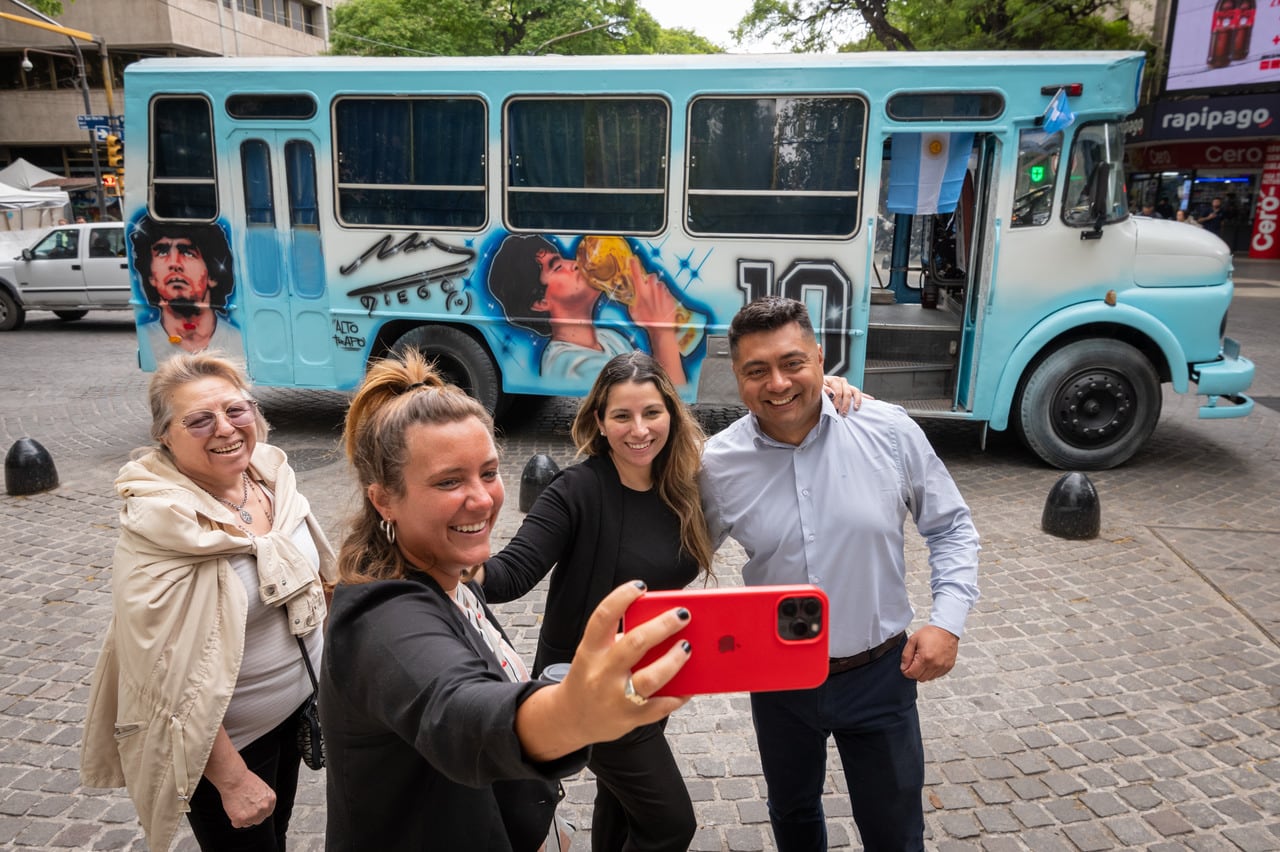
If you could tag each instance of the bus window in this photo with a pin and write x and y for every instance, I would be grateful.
(1095, 177)
(788, 166)
(416, 162)
(589, 164)
(258, 107)
(300, 174)
(945, 106)
(1038, 154)
(182, 177)
(255, 163)
(304, 219)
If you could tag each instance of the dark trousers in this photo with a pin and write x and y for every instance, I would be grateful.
(871, 712)
(274, 758)
(641, 800)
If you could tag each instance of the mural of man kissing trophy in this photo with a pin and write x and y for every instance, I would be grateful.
(558, 296)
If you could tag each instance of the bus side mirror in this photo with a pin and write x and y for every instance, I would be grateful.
(1099, 200)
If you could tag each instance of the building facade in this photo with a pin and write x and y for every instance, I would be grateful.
(42, 82)
(1212, 116)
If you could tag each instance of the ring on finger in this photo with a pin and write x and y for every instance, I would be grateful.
(629, 692)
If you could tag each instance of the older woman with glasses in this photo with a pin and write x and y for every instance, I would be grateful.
(219, 587)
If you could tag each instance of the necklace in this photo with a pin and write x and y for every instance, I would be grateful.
(244, 513)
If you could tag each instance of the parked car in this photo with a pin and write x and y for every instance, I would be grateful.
(71, 270)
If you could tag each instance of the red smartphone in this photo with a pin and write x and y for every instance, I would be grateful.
(745, 638)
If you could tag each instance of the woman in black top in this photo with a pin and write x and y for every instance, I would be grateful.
(631, 511)
(434, 735)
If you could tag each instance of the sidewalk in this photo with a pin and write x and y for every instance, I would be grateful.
(1118, 693)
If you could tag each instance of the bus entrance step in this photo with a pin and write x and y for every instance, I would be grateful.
(901, 380)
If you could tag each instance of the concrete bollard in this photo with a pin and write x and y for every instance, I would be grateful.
(28, 468)
(1072, 510)
(538, 473)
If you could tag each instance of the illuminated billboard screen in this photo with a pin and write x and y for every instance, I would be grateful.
(1224, 43)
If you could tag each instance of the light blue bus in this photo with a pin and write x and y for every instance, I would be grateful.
(955, 222)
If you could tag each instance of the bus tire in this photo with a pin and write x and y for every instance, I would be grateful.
(1089, 405)
(70, 316)
(460, 359)
(11, 313)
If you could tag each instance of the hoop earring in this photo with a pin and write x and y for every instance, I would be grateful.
(388, 529)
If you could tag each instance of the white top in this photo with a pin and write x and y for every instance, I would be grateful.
(273, 681)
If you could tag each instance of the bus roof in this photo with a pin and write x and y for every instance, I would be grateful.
(1109, 79)
(1004, 60)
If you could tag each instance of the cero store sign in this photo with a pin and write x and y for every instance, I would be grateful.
(1198, 155)
(1265, 242)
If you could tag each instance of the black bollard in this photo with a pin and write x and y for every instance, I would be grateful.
(28, 468)
(1072, 509)
(538, 473)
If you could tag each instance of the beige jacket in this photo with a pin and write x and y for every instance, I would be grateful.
(172, 652)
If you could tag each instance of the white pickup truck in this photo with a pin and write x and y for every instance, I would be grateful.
(71, 270)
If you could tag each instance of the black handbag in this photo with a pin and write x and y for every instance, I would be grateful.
(310, 739)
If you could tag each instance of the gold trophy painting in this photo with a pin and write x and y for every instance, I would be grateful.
(606, 262)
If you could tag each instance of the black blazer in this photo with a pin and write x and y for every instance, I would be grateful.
(419, 728)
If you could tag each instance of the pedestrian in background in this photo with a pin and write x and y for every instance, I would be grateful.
(218, 589)
(435, 736)
(814, 497)
(1212, 216)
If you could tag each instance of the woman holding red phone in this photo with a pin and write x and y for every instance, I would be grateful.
(631, 511)
(434, 734)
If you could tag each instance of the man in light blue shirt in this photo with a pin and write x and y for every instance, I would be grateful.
(814, 497)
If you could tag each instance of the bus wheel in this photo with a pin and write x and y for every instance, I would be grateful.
(461, 360)
(1090, 405)
(71, 316)
(11, 313)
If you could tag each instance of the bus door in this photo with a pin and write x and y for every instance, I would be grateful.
(932, 262)
(287, 333)
(978, 248)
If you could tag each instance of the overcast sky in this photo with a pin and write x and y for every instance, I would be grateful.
(711, 19)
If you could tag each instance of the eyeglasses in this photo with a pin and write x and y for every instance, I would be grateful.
(201, 424)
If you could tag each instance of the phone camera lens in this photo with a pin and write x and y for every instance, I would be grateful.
(788, 608)
(799, 629)
(812, 606)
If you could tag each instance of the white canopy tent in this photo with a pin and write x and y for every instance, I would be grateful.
(23, 175)
(31, 208)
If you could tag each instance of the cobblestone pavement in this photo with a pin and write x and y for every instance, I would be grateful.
(1114, 693)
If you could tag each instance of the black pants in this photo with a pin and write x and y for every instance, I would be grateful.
(871, 712)
(641, 800)
(274, 758)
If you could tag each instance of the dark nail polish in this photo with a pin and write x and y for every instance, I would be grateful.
(682, 614)
(639, 584)
(685, 646)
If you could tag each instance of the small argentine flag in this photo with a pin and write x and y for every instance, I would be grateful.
(927, 171)
(1058, 116)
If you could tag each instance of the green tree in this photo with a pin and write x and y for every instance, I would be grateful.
(503, 27)
(850, 25)
(52, 8)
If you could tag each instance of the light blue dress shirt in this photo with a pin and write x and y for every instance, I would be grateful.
(830, 511)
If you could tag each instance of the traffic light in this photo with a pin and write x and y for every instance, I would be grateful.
(115, 152)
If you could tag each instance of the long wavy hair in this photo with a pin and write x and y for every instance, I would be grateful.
(675, 469)
(397, 393)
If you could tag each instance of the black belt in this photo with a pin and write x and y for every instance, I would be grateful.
(839, 665)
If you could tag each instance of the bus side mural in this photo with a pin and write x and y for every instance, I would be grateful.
(567, 309)
(187, 276)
